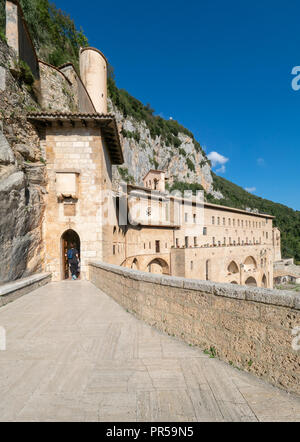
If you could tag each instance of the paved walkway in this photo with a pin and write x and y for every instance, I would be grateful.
(73, 354)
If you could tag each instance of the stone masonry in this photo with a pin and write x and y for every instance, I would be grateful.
(248, 327)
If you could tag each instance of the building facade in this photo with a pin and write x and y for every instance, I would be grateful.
(143, 228)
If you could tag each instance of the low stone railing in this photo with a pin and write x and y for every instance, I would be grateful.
(15, 289)
(251, 328)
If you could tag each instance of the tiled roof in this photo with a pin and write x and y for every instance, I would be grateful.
(70, 115)
(107, 123)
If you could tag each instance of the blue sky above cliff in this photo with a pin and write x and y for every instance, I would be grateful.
(222, 69)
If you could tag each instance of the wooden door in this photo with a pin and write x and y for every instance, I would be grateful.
(66, 269)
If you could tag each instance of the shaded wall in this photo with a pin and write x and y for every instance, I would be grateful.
(18, 36)
(81, 95)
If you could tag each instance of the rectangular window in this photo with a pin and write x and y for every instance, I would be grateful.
(167, 208)
(213, 220)
(195, 241)
(157, 246)
(195, 219)
(114, 250)
(218, 221)
(186, 241)
(224, 222)
(186, 217)
(204, 231)
(177, 242)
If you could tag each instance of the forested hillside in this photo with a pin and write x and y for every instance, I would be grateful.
(287, 219)
(57, 41)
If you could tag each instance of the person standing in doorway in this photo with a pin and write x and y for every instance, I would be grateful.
(73, 259)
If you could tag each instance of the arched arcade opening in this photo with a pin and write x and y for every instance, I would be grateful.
(135, 265)
(251, 282)
(264, 282)
(233, 268)
(158, 266)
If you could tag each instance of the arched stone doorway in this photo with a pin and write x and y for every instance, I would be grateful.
(251, 282)
(158, 266)
(68, 238)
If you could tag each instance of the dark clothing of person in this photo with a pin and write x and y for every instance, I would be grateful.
(74, 263)
(74, 268)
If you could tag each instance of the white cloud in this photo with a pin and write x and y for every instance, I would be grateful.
(218, 160)
(250, 189)
(221, 170)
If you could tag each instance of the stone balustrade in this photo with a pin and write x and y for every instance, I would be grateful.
(250, 328)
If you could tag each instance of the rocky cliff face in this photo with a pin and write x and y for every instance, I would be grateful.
(22, 176)
(141, 153)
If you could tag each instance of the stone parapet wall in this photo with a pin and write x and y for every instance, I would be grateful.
(57, 94)
(14, 290)
(250, 328)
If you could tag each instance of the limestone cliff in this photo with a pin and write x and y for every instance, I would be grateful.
(183, 163)
(22, 174)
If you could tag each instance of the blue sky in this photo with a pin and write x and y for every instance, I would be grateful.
(222, 69)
